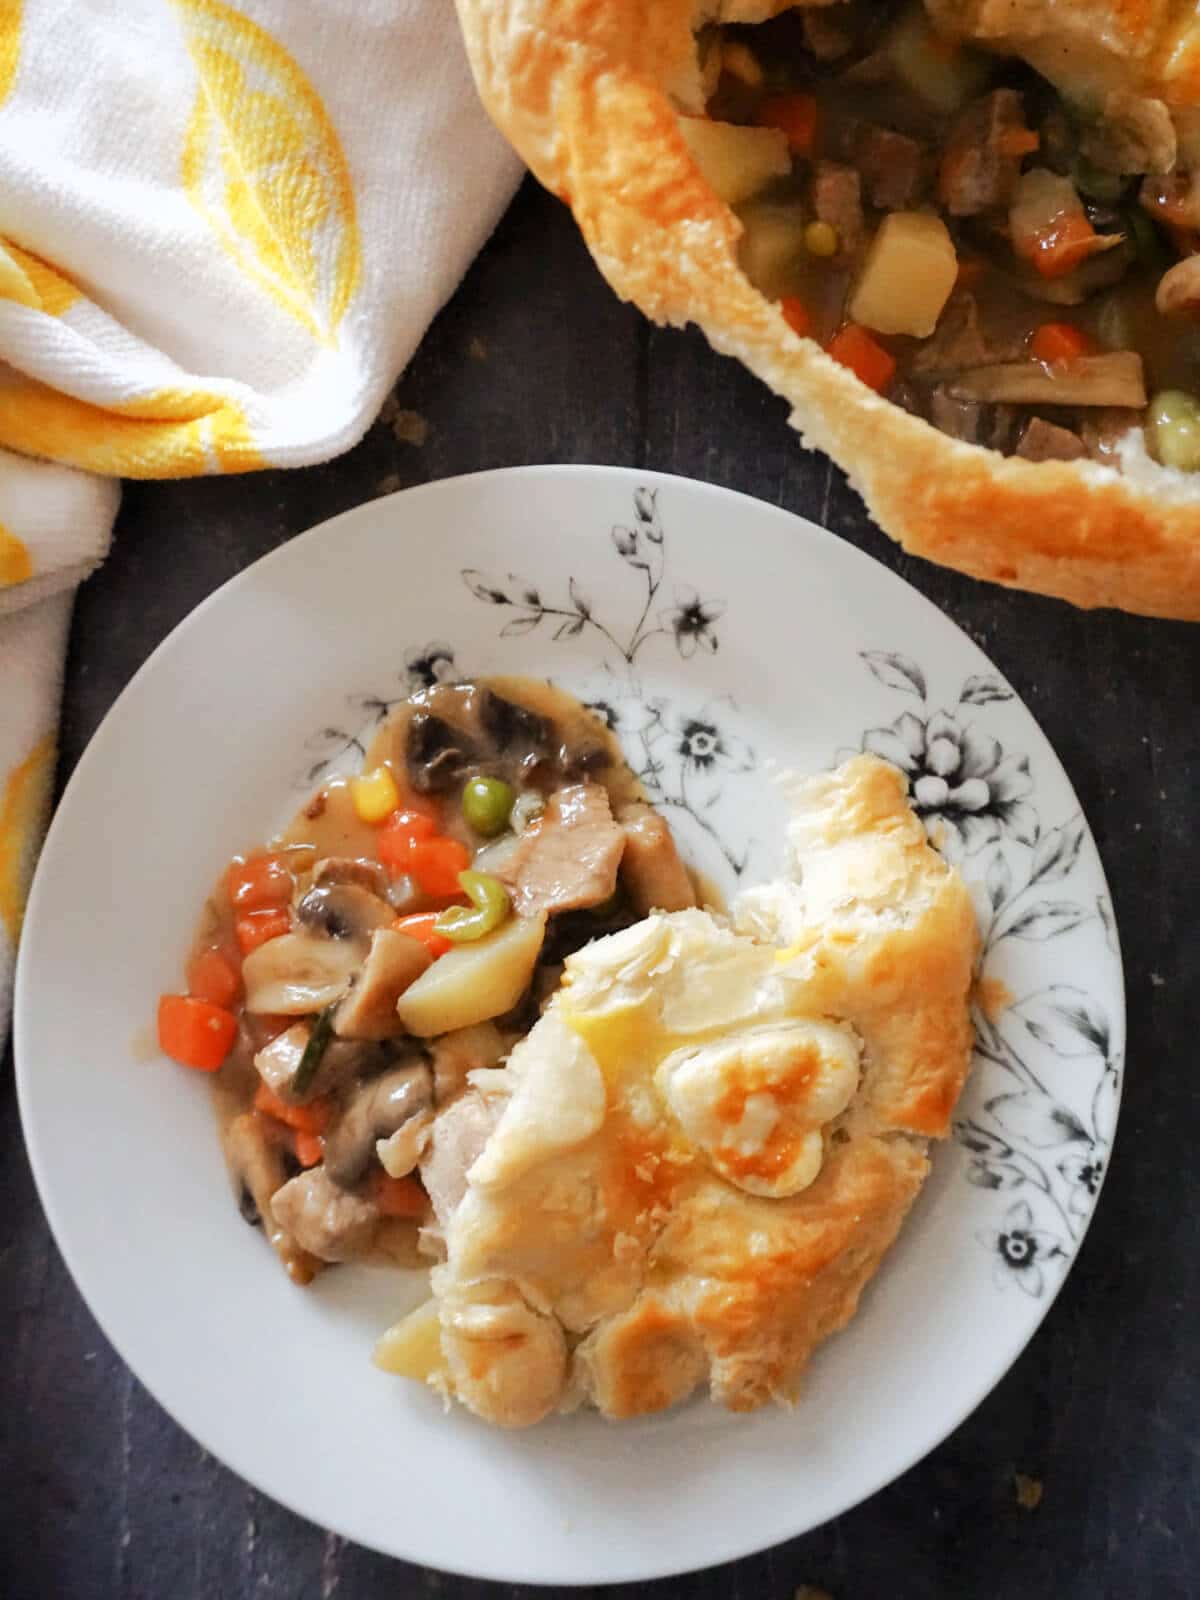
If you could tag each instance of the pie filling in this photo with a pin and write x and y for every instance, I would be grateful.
(1015, 264)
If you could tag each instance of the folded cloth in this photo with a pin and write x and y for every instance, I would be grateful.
(223, 231)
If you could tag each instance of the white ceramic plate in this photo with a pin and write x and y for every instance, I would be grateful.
(723, 635)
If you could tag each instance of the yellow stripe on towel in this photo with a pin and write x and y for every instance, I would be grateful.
(23, 808)
(33, 282)
(170, 435)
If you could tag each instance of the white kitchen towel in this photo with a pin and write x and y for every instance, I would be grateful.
(223, 231)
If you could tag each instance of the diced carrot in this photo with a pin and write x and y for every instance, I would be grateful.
(398, 1197)
(195, 1032)
(259, 926)
(309, 1148)
(1060, 341)
(436, 863)
(421, 927)
(795, 314)
(312, 1117)
(398, 835)
(259, 883)
(1060, 248)
(795, 115)
(212, 976)
(854, 347)
(1018, 141)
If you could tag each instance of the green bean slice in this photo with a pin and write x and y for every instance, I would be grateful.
(489, 907)
(319, 1041)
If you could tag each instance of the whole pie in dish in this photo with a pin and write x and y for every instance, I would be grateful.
(960, 237)
(687, 1171)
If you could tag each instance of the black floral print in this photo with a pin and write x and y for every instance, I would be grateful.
(964, 788)
(1020, 1135)
(1022, 1250)
(691, 621)
(430, 665)
(604, 711)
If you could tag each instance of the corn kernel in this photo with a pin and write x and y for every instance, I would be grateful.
(375, 795)
(740, 62)
(821, 239)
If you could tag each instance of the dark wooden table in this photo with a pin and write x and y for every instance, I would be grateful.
(534, 360)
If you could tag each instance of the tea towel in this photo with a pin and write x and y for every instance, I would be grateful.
(223, 231)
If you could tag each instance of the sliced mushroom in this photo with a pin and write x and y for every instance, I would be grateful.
(1113, 379)
(376, 1110)
(437, 755)
(399, 1153)
(351, 869)
(513, 728)
(256, 1165)
(1179, 288)
(344, 911)
(300, 973)
(393, 962)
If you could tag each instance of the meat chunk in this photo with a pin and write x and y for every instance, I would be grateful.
(959, 342)
(984, 150)
(567, 860)
(651, 870)
(972, 421)
(961, 419)
(328, 1221)
(393, 962)
(277, 1062)
(1046, 441)
(837, 200)
(459, 1135)
(891, 167)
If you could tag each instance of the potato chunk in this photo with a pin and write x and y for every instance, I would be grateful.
(474, 982)
(412, 1347)
(737, 162)
(908, 275)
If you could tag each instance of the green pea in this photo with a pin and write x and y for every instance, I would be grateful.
(487, 805)
(1173, 429)
(489, 907)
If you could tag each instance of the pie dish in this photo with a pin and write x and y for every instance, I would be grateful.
(597, 98)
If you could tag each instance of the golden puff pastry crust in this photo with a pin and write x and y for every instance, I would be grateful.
(589, 91)
(700, 1154)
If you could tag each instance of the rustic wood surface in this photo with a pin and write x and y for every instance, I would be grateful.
(534, 360)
